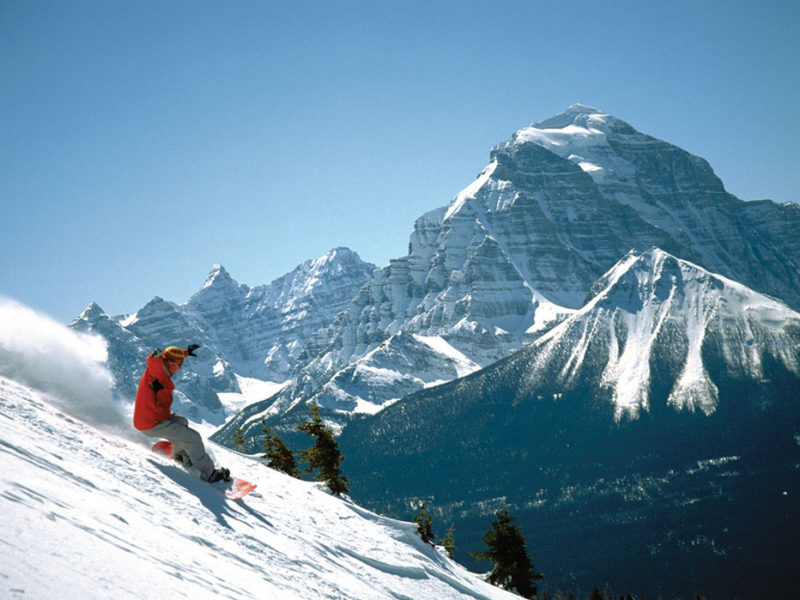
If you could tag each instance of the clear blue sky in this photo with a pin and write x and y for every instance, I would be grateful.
(141, 142)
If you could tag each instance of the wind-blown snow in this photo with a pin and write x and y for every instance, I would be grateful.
(70, 366)
(90, 514)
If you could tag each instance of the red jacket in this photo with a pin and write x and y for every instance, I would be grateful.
(154, 395)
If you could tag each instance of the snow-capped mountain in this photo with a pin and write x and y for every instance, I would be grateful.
(90, 512)
(519, 249)
(245, 332)
(630, 437)
(264, 328)
(654, 311)
(755, 243)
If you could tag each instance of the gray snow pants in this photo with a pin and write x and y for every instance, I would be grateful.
(185, 441)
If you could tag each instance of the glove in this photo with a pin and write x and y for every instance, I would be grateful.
(191, 348)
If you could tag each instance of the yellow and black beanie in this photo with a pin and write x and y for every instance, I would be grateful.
(174, 353)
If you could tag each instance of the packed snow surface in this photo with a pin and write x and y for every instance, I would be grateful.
(90, 512)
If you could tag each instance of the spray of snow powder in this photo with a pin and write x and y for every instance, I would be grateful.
(66, 366)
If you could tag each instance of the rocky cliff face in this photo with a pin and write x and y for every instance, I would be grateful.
(519, 249)
(243, 331)
(264, 328)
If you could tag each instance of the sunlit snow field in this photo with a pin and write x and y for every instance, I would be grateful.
(90, 512)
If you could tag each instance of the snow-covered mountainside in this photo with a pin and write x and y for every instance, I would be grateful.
(519, 249)
(89, 512)
(651, 440)
(264, 328)
(245, 332)
(654, 311)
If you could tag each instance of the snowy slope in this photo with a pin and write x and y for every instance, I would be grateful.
(90, 512)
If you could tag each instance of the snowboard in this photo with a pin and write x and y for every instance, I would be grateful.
(234, 489)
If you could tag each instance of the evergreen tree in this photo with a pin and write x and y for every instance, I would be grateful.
(277, 453)
(239, 440)
(507, 549)
(324, 456)
(424, 523)
(449, 543)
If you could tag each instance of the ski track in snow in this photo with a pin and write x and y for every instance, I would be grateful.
(89, 514)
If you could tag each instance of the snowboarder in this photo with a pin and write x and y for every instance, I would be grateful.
(152, 413)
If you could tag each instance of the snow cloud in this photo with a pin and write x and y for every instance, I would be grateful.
(65, 365)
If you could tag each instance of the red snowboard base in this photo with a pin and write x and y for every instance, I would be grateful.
(163, 447)
(234, 489)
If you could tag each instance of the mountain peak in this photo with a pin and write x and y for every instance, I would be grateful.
(641, 274)
(218, 276)
(310, 275)
(336, 259)
(645, 299)
(337, 254)
(579, 108)
(575, 114)
(92, 311)
(91, 314)
(156, 306)
(575, 134)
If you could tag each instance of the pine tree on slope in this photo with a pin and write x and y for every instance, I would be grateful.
(449, 542)
(324, 456)
(507, 549)
(239, 440)
(277, 453)
(424, 523)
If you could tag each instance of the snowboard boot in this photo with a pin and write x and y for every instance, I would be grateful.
(220, 474)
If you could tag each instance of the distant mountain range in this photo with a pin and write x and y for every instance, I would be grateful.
(245, 332)
(593, 332)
